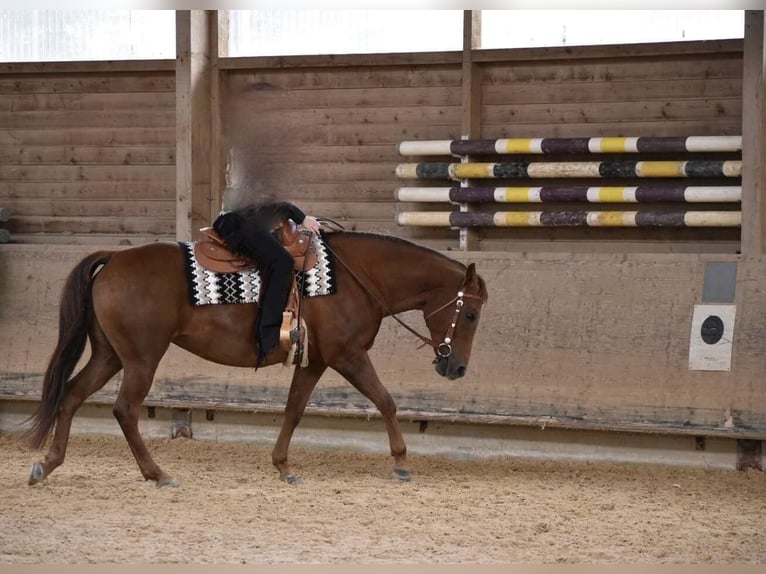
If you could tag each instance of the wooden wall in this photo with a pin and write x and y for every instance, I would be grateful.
(87, 152)
(323, 131)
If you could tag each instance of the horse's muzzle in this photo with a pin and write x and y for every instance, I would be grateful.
(450, 367)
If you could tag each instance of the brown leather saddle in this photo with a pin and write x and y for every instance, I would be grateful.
(212, 253)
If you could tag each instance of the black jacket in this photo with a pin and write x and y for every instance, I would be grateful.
(244, 229)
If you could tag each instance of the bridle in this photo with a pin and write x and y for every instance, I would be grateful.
(442, 350)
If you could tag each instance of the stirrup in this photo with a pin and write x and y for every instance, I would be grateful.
(295, 334)
(297, 354)
(285, 331)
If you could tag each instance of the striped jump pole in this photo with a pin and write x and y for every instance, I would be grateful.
(594, 169)
(570, 218)
(581, 194)
(572, 145)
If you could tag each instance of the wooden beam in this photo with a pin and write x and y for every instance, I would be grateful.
(87, 67)
(219, 40)
(753, 133)
(504, 55)
(193, 122)
(471, 108)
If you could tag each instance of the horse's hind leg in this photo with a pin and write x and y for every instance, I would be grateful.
(358, 370)
(102, 366)
(136, 382)
(303, 383)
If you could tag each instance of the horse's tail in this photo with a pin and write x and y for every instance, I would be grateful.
(75, 314)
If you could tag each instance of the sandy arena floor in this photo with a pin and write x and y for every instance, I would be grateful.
(231, 508)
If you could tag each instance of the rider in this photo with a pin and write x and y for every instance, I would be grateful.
(249, 232)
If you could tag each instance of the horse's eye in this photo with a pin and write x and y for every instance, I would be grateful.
(470, 316)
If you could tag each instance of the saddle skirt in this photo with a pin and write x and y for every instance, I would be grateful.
(208, 287)
(212, 252)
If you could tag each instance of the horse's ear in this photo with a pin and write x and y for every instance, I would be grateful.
(471, 277)
(474, 283)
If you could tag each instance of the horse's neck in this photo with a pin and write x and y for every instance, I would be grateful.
(406, 277)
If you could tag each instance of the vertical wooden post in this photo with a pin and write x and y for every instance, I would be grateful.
(219, 46)
(193, 122)
(753, 134)
(471, 106)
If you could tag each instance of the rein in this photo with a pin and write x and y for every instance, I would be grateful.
(443, 349)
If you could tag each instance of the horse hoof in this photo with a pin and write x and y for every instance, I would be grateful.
(292, 479)
(36, 475)
(402, 475)
(168, 483)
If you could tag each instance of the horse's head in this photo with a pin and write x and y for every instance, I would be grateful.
(453, 323)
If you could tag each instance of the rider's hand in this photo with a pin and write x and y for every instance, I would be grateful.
(311, 224)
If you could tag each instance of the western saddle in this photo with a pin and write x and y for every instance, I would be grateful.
(213, 253)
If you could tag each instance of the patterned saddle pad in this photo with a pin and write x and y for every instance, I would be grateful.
(210, 288)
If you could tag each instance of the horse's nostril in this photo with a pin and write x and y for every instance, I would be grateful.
(461, 371)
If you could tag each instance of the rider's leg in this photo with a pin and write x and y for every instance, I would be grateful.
(276, 271)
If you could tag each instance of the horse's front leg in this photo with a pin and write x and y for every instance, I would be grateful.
(358, 370)
(303, 383)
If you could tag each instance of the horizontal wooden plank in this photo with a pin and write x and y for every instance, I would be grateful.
(630, 91)
(617, 51)
(87, 191)
(314, 189)
(117, 207)
(694, 49)
(388, 134)
(243, 82)
(606, 245)
(48, 173)
(83, 119)
(79, 155)
(323, 153)
(574, 72)
(191, 394)
(87, 102)
(88, 67)
(345, 135)
(85, 83)
(571, 71)
(355, 190)
(330, 172)
(720, 126)
(420, 115)
(607, 111)
(88, 238)
(98, 136)
(592, 112)
(342, 60)
(599, 240)
(351, 210)
(90, 224)
(361, 98)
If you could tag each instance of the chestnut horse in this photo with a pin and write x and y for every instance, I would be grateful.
(132, 304)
